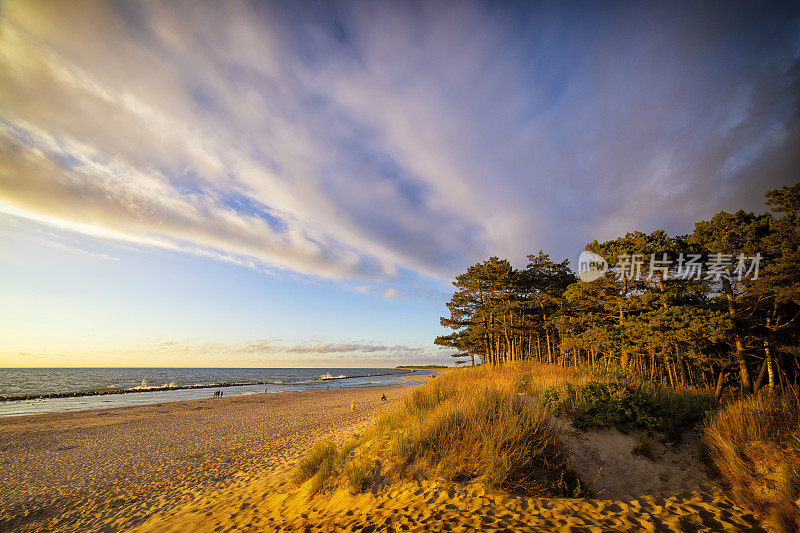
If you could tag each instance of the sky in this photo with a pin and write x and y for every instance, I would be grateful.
(259, 184)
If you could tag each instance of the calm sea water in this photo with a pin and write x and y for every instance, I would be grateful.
(233, 381)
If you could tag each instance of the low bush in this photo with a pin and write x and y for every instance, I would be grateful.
(627, 406)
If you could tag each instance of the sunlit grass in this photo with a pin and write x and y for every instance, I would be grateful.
(320, 454)
(753, 445)
(468, 425)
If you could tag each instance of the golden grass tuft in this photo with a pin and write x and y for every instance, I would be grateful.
(474, 424)
(469, 424)
(356, 472)
(753, 445)
(320, 456)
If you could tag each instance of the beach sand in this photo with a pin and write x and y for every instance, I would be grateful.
(269, 503)
(222, 465)
(112, 469)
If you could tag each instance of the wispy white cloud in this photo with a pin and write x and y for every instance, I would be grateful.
(384, 142)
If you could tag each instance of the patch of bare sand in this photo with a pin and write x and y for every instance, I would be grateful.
(603, 458)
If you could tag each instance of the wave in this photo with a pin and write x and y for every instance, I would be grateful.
(327, 375)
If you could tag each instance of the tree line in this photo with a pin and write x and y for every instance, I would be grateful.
(734, 324)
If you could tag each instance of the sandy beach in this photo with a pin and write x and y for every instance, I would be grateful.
(222, 465)
(113, 469)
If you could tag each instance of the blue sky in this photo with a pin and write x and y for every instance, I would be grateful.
(295, 184)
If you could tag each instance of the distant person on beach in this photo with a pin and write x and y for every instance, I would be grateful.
(383, 397)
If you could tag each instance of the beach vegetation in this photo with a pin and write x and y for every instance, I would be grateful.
(321, 454)
(356, 472)
(470, 425)
(645, 445)
(628, 406)
(753, 446)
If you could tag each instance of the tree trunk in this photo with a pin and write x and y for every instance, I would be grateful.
(547, 340)
(623, 359)
(720, 384)
(768, 362)
(763, 372)
(682, 368)
(669, 373)
(768, 355)
(741, 357)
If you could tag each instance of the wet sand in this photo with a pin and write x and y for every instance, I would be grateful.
(112, 469)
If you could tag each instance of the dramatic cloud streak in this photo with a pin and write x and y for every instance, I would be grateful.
(390, 141)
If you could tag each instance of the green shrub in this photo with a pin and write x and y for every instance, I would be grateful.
(627, 406)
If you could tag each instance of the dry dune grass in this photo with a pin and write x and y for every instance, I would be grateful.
(754, 447)
(470, 424)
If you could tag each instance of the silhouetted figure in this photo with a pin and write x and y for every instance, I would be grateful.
(383, 397)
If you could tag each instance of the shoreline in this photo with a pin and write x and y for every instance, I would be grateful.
(160, 388)
(74, 402)
(115, 468)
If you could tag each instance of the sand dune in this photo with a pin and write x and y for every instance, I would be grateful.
(223, 464)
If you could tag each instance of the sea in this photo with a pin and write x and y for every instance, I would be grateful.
(29, 391)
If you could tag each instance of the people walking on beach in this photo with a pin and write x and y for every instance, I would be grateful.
(383, 397)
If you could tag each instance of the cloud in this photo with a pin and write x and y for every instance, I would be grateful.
(256, 353)
(390, 142)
